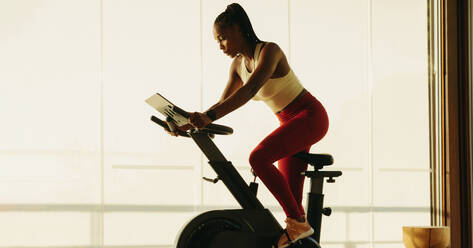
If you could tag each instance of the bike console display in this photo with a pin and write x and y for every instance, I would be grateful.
(179, 117)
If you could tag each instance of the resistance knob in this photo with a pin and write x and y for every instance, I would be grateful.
(327, 211)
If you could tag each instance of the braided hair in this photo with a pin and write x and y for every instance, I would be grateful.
(235, 14)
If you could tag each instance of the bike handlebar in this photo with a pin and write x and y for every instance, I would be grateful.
(210, 128)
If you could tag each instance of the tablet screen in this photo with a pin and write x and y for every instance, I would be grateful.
(165, 107)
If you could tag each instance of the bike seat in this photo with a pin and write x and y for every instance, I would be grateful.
(317, 160)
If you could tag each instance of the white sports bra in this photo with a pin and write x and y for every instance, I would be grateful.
(277, 93)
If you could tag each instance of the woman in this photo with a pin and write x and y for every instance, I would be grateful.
(260, 71)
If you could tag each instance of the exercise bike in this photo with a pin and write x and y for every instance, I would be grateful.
(253, 225)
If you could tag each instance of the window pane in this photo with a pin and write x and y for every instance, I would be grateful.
(50, 135)
(144, 55)
(50, 101)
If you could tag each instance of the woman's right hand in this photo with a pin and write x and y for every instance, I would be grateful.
(174, 130)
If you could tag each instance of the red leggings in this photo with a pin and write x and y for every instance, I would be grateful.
(302, 124)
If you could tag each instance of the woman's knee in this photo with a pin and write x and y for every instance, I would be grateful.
(258, 158)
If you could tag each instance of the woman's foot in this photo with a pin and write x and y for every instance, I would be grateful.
(295, 230)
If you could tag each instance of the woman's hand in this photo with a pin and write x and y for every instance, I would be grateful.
(173, 129)
(199, 120)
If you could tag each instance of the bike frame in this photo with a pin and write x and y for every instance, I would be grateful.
(226, 172)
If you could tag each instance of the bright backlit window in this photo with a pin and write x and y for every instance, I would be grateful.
(82, 164)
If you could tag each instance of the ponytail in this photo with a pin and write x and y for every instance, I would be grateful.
(235, 14)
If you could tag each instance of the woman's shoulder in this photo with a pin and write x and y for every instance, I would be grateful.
(236, 63)
(271, 48)
(270, 45)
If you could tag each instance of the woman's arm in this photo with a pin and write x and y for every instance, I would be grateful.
(233, 84)
(270, 56)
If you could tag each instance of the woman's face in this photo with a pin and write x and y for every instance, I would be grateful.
(229, 39)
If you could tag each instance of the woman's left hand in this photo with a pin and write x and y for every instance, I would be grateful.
(199, 120)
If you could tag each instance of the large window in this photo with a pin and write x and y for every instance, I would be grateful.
(82, 165)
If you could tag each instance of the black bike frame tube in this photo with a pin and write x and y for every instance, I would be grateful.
(227, 172)
(314, 213)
